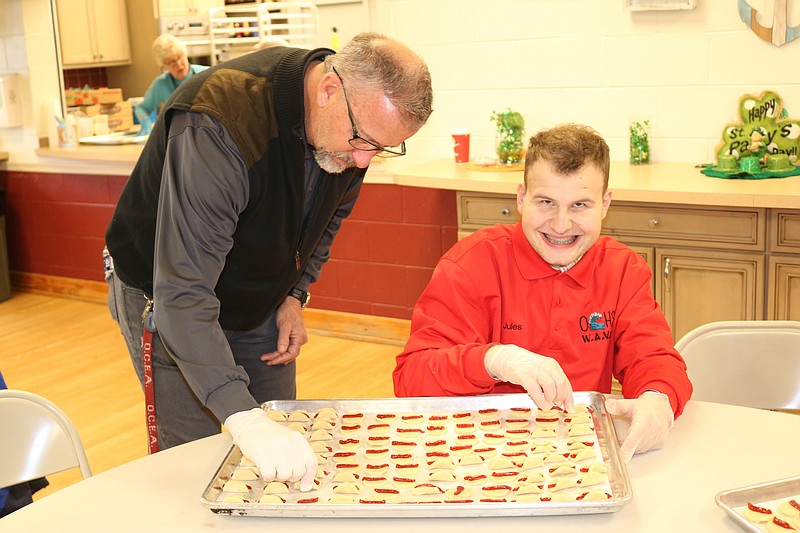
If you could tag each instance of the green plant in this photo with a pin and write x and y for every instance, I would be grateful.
(640, 142)
(509, 138)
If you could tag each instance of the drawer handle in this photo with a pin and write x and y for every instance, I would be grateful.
(654, 222)
(505, 212)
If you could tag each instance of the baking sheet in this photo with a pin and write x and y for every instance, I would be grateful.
(618, 485)
(768, 495)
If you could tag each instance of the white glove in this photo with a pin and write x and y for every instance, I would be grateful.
(280, 453)
(651, 418)
(541, 376)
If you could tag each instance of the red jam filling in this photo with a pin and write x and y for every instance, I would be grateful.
(781, 523)
(757, 509)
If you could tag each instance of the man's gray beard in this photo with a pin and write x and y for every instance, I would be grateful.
(331, 161)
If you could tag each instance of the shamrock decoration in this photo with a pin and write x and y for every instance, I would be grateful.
(509, 136)
(764, 130)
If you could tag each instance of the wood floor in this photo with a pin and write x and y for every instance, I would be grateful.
(72, 353)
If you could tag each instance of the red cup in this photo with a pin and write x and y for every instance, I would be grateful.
(461, 144)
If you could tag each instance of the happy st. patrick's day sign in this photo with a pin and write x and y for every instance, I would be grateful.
(764, 128)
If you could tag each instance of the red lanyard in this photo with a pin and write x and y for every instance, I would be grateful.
(149, 388)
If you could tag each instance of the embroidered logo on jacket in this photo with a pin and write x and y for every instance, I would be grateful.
(512, 326)
(597, 326)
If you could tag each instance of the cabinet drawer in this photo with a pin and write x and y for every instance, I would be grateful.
(785, 232)
(477, 211)
(722, 228)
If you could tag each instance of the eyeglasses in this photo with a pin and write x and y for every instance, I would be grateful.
(174, 61)
(360, 143)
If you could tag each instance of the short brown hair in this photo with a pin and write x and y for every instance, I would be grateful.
(568, 147)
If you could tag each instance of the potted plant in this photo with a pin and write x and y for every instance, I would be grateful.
(509, 137)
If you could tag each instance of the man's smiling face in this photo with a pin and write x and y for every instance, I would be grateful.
(562, 214)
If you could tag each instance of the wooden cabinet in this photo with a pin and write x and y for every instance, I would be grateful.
(709, 263)
(784, 266)
(93, 33)
(479, 210)
(697, 286)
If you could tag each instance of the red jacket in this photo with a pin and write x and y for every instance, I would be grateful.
(598, 319)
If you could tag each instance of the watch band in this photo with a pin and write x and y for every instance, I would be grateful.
(303, 296)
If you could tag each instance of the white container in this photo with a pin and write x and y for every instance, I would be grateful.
(85, 126)
(68, 133)
(100, 124)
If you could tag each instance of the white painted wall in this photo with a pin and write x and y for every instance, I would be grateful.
(588, 61)
(28, 47)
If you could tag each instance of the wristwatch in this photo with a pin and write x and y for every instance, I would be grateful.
(303, 296)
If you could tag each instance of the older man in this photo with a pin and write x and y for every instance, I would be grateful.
(228, 217)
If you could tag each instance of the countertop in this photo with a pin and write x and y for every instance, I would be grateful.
(673, 183)
(124, 154)
(120, 160)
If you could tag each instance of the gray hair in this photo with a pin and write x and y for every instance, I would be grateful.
(374, 61)
(166, 45)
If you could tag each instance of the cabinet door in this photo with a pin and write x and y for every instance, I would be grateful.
(695, 287)
(93, 33)
(77, 46)
(648, 253)
(784, 288)
(110, 20)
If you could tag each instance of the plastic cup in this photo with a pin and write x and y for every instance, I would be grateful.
(461, 145)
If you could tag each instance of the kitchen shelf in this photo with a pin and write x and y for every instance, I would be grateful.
(236, 30)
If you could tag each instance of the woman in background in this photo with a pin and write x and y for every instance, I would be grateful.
(170, 54)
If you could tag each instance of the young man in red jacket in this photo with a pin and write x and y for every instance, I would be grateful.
(547, 306)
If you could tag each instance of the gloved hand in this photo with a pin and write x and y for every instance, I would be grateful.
(280, 453)
(541, 376)
(147, 126)
(651, 418)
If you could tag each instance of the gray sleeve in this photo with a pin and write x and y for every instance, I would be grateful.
(204, 187)
(323, 250)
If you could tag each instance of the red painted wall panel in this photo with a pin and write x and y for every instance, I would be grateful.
(380, 262)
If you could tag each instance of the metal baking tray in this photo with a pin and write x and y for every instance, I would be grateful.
(768, 495)
(618, 485)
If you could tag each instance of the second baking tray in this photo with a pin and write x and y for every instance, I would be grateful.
(618, 481)
(734, 501)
